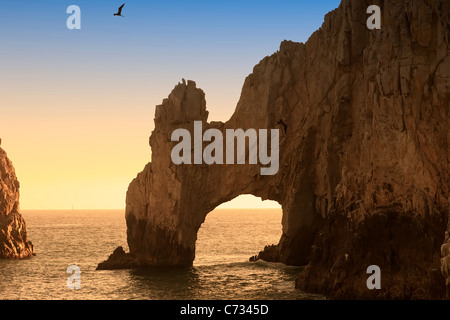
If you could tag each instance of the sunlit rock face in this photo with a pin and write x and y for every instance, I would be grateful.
(13, 231)
(363, 173)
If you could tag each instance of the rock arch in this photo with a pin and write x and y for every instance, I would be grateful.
(167, 203)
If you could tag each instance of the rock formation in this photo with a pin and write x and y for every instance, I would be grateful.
(445, 263)
(364, 156)
(13, 231)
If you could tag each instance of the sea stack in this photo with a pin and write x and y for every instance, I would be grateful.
(14, 243)
(364, 164)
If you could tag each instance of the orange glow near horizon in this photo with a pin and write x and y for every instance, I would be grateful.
(68, 153)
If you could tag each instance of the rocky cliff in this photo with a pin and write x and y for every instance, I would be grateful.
(364, 156)
(13, 231)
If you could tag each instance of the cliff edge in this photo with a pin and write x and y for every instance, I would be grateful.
(364, 157)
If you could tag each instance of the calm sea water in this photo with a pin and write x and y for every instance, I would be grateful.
(221, 269)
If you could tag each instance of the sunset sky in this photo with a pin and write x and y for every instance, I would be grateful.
(77, 106)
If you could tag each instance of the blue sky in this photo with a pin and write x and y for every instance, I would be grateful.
(83, 92)
(156, 44)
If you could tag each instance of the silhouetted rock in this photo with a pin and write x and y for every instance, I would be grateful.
(13, 231)
(118, 260)
(269, 254)
(364, 169)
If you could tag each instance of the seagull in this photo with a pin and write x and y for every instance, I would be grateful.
(119, 13)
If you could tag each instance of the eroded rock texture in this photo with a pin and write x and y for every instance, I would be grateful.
(364, 156)
(13, 231)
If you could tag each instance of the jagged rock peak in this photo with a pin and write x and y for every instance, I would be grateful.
(14, 243)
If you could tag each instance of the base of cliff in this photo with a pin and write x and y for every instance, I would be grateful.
(120, 259)
(270, 253)
(405, 246)
(13, 237)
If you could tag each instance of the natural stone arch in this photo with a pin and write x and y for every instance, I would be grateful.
(167, 203)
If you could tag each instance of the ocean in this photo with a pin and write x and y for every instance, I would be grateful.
(84, 238)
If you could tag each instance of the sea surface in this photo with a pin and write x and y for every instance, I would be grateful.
(84, 238)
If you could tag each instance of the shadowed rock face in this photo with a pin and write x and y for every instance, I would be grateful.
(13, 231)
(364, 156)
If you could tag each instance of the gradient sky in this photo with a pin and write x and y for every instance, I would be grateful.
(77, 106)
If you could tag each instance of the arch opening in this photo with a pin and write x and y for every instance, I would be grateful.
(238, 229)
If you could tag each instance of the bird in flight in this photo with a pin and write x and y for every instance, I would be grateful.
(119, 13)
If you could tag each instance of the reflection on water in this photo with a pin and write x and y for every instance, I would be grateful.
(85, 238)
